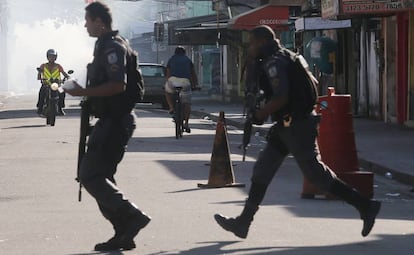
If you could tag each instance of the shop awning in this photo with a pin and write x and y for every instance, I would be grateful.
(272, 15)
(201, 30)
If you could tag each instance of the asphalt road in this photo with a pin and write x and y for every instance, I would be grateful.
(40, 214)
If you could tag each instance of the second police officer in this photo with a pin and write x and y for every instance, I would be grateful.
(295, 132)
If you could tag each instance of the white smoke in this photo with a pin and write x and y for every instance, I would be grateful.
(36, 26)
(31, 41)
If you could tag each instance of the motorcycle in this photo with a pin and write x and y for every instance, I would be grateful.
(51, 100)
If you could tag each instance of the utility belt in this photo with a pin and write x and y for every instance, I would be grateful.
(286, 119)
(104, 108)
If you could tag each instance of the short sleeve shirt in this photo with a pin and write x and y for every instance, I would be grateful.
(276, 71)
(180, 66)
(112, 60)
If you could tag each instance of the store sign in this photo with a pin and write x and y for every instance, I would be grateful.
(317, 23)
(330, 8)
(378, 6)
(271, 15)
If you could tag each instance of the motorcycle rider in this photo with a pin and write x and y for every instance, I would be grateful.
(47, 71)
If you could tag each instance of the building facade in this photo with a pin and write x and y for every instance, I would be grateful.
(384, 59)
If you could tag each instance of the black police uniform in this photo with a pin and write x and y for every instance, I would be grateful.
(295, 132)
(108, 141)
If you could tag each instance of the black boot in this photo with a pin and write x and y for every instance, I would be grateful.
(239, 225)
(368, 208)
(115, 242)
(61, 112)
(131, 221)
(134, 220)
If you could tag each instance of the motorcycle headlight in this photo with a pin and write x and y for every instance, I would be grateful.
(54, 86)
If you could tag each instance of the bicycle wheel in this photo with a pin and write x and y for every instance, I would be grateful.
(178, 121)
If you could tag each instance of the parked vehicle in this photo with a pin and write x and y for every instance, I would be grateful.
(154, 76)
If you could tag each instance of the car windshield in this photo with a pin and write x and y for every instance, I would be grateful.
(152, 71)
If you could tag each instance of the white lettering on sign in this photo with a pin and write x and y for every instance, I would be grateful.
(273, 21)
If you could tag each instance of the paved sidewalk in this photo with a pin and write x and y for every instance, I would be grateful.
(381, 147)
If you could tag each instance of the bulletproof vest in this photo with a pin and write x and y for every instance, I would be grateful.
(113, 106)
(303, 91)
(302, 86)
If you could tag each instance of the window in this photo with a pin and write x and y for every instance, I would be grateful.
(152, 71)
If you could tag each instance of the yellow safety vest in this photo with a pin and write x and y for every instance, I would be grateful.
(48, 74)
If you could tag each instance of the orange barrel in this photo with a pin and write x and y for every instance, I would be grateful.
(336, 138)
(336, 143)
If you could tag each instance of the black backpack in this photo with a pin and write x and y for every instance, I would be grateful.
(303, 93)
(135, 88)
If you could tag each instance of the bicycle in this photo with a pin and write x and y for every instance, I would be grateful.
(178, 113)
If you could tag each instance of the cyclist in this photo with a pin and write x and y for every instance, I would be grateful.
(181, 73)
(47, 71)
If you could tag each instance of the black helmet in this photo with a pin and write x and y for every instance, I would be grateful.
(180, 50)
(51, 52)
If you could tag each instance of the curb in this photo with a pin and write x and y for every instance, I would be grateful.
(382, 170)
(363, 163)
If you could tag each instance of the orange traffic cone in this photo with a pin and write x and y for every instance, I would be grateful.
(221, 168)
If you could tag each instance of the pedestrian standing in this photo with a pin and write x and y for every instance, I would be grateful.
(108, 100)
(295, 132)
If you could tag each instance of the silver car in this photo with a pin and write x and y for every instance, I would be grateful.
(154, 76)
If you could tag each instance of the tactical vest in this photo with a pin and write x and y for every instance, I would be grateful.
(302, 86)
(113, 106)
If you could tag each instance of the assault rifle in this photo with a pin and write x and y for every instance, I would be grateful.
(248, 124)
(85, 130)
(252, 104)
(250, 101)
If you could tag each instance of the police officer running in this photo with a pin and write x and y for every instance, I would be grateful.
(295, 132)
(108, 101)
(47, 72)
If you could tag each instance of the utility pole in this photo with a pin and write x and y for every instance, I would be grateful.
(4, 15)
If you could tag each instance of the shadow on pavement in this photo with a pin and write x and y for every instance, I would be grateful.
(284, 192)
(199, 170)
(385, 244)
(25, 126)
(101, 253)
(188, 144)
(31, 113)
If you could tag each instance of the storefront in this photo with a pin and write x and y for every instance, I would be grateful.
(220, 42)
(205, 38)
(384, 83)
(328, 62)
(274, 15)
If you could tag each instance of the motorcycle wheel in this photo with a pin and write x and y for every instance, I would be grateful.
(51, 114)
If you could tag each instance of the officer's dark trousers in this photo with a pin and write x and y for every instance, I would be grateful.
(106, 147)
(300, 140)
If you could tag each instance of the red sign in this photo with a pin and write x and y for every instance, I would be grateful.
(271, 15)
(378, 6)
